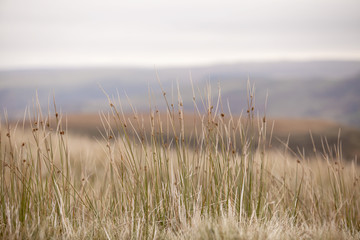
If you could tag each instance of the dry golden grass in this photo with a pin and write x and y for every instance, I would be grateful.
(156, 177)
(281, 129)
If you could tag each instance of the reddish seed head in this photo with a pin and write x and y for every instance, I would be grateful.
(62, 132)
(298, 161)
(8, 134)
(222, 115)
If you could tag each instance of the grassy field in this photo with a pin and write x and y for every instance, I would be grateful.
(168, 176)
(292, 134)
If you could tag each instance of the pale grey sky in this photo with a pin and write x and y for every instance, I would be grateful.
(56, 33)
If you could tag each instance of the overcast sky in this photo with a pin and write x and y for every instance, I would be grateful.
(56, 33)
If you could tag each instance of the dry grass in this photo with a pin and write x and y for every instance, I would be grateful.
(144, 179)
(297, 130)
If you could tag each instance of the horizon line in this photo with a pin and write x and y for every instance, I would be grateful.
(166, 66)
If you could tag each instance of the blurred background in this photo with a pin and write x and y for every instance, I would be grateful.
(304, 54)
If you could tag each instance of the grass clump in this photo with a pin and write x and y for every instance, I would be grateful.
(166, 176)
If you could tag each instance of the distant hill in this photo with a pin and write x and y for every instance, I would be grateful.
(320, 89)
(337, 101)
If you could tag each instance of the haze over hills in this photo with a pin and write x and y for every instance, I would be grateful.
(318, 89)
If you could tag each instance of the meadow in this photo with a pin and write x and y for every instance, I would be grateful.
(165, 175)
